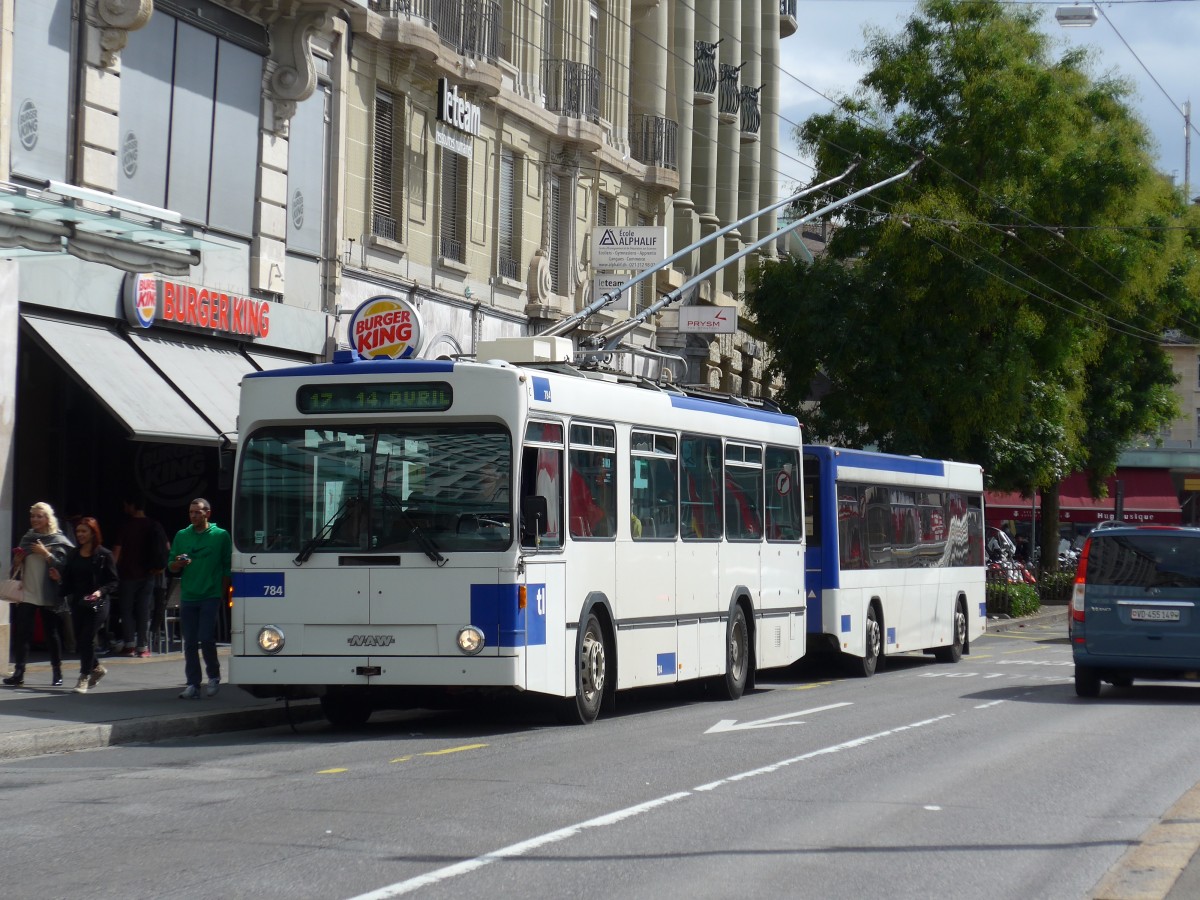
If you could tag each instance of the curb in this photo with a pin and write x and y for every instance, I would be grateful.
(66, 738)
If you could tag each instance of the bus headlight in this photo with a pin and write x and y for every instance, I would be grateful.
(470, 640)
(270, 639)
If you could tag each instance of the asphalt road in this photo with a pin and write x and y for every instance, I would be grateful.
(983, 779)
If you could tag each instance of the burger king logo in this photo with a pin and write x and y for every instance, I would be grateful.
(145, 300)
(386, 328)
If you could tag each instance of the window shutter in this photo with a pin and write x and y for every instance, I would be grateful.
(383, 220)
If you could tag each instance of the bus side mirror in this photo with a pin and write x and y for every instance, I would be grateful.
(535, 514)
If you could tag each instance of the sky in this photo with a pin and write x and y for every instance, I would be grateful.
(1163, 38)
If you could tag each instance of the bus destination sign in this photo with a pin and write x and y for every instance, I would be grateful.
(374, 397)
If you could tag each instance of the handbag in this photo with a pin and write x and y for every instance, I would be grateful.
(12, 591)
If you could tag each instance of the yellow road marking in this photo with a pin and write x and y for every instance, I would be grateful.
(453, 750)
(401, 759)
(1022, 650)
(332, 771)
(809, 687)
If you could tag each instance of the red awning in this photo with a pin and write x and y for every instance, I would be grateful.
(1149, 497)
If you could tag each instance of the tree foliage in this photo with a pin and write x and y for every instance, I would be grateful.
(1005, 304)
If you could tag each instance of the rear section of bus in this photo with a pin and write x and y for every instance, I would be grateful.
(1134, 607)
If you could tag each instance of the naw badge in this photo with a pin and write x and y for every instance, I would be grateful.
(386, 328)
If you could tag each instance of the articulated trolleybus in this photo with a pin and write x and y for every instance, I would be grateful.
(408, 529)
(895, 558)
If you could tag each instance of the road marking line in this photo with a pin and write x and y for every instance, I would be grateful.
(453, 750)
(332, 771)
(401, 759)
(1022, 650)
(520, 849)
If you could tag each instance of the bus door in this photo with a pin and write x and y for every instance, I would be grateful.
(646, 561)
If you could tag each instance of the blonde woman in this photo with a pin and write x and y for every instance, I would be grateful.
(43, 549)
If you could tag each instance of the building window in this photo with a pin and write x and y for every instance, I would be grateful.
(454, 206)
(508, 251)
(560, 234)
(604, 208)
(643, 292)
(384, 201)
(1198, 424)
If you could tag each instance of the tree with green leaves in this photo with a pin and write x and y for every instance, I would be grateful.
(1005, 304)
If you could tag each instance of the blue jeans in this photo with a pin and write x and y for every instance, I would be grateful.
(199, 621)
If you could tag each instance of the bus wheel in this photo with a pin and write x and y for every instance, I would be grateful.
(737, 655)
(872, 648)
(346, 711)
(953, 653)
(591, 675)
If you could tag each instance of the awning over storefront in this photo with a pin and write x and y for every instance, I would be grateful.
(122, 381)
(266, 362)
(209, 376)
(1149, 497)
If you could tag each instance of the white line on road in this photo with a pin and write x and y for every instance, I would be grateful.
(520, 849)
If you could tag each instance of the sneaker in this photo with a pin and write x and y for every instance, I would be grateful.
(191, 692)
(144, 653)
(97, 673)
(214, 685)
(83, 685)
(131, 652)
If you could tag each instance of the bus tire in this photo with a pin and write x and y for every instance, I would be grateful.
(737, 655)
(954, 652)
(591, 675)
(1087, 682)
(346, 711)
(866, 665)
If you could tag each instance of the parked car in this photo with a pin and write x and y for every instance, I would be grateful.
(1135, 607)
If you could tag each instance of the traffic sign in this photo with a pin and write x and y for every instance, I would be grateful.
(633, 247)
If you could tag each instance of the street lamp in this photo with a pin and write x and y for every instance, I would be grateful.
(1077, 16)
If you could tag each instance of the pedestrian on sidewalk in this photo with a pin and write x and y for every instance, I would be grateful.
(42, 551)
(141, 554)
(202, 554)
(89, 581)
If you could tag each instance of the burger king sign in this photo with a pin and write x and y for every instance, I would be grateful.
(386, 328)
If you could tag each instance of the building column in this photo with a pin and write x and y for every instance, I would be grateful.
(682, 38)
(769, 140)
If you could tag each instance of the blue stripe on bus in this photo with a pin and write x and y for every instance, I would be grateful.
(883, 462)
(665, 663)
(258, 584)
(495, 612)
(364, 367)
(731, 409)
(983, 609)
(846, 624)
(541, 388)
(891, 635)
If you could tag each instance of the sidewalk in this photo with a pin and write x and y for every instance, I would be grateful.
(1046, 617)
(137, 701)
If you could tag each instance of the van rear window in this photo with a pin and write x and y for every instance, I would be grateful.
(1145, 560)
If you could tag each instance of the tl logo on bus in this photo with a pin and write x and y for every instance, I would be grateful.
(385, 328)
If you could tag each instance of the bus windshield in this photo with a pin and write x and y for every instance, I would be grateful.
(412, 488)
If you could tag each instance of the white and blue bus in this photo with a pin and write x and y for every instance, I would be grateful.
(895, 555)
(407, 528)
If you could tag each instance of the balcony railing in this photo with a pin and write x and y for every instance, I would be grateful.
(653, 141)
(787, 8)
(472, 27)
(751, 113)
(572, 89)
(509, 268)
(452, 249)
(706, 67)
(383, 226)
(730, 98)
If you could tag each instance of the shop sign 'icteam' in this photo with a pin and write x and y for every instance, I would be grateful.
(386, 327)
(151, 301)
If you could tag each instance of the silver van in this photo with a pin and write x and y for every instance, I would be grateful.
(1135, 607)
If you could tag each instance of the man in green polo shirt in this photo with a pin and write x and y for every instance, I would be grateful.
(201, 555)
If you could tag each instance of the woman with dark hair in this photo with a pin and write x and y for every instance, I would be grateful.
(40, 555)
(89, 579)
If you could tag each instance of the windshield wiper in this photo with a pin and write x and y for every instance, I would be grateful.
(326, 531)
(427, 544)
